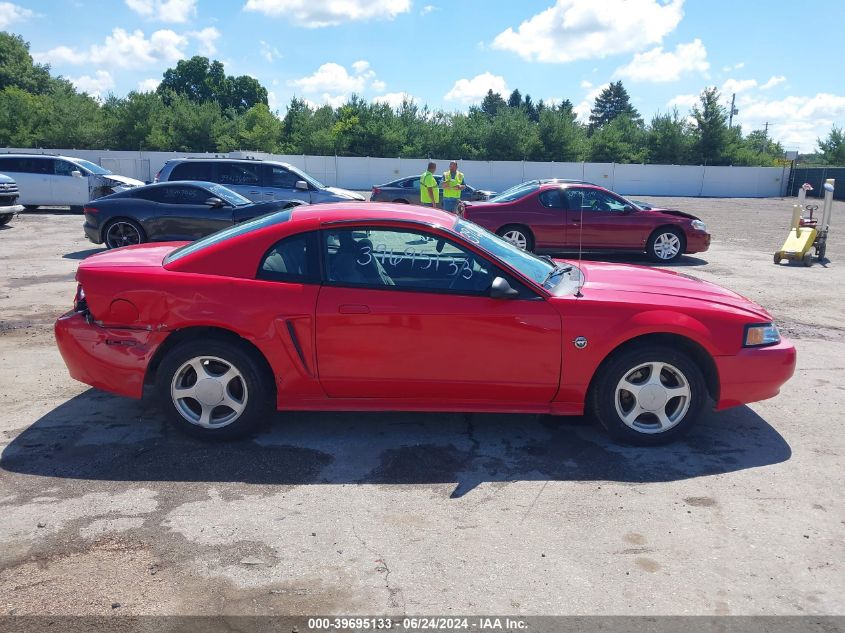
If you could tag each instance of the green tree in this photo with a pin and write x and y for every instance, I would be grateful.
(612, 102)
(669, 139)
(621, 141)
(23, 118)
(561, 137)
(17, 68)
(712, 134)
(832, 149)
(200, 81)
(128, 121)
(492, 103)
(515, 100)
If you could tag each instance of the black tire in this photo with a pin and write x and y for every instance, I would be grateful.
(30, 207)
(5, 219)
(665, 235)
(251, 388)
(401, 201)
(644, 429)
(124, 225)
(512, 229)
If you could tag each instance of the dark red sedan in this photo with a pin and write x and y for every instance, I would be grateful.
(372, 307)
(555, 217)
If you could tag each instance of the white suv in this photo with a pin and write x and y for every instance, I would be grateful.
(61, 181)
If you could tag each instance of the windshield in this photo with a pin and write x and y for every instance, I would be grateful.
(539, 269)
(225, 234)
(233, 198)
(311, 181)
(92, 167)
(515, 193)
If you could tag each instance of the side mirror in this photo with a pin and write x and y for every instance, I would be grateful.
(76, 173)
(214, 203)
(301, 184)
(627, 209)
(501, 289)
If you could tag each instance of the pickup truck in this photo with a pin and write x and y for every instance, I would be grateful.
(9, 207)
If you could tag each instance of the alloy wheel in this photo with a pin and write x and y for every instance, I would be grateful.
(122, 234)
(667, 246)
(653, 397)
(209, 392)
(517, 238)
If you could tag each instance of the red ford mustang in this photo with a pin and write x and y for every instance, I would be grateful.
(374, 307)
(558, 216)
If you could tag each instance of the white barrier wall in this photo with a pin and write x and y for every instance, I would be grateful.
(362, 173)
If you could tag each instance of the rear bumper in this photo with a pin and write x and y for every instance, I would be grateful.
(111, 359)
(697, 242)
(754, 374)
(92, 233)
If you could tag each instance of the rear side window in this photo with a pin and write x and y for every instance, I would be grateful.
(193, 171)
(12, 164)
(553, 199)
(293, 259)
(238, 174)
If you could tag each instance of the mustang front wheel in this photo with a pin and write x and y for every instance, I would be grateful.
(649, 395)
(213, 389)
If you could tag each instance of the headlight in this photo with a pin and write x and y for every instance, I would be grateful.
(698, 225)
(760, 335)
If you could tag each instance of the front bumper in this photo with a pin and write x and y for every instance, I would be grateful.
(755, 373)
(697, 241)
(11, 210)
(111, 359)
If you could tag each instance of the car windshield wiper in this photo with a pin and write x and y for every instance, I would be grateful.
(557, 270)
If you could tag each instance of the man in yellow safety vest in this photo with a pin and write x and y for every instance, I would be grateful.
(429, 190)
(453, 184)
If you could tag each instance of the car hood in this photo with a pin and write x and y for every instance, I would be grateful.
(131, 256)
(6, 180)
(672, 212)
(665, 283)
(124, 180)
(345, 193)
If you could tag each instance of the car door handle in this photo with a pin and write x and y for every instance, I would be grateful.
(353, 309)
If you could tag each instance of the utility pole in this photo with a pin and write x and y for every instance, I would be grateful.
(765, 137)
(733, 111)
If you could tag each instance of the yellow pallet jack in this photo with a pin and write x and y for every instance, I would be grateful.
(807, 233)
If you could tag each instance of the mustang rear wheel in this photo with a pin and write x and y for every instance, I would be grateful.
(123, 233)
(665, 245)
(213, 389)
(648, 395)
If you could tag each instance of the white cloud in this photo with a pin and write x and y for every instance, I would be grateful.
(586, 85)
(320, 13)
(585, 29)
(683, 102)
(395, 99)
(179, 11)
(774, 81)
(206, 39)
(736, 66)
(794, 120)
(269, 52)
(335, 84)
(473, 90)
(95, 86)
(148, 85)
(123, 49)
(428, 9)
(737, 86)
(272, 101)
(657, 66)
(11, 13)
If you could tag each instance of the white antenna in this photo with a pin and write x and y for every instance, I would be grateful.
(580, 240)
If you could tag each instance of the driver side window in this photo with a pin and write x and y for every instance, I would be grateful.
(404, 260)
(593, 200)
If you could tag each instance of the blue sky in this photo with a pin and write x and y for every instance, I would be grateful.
(448, 54)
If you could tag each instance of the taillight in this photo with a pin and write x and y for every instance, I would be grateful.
(91, 210)
(79, 303)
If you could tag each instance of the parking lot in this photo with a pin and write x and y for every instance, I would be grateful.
(101, 504)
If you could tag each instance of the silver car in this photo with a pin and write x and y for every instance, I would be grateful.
(257, 180)
(407, 190)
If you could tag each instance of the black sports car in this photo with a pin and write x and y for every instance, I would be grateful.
(170, 211)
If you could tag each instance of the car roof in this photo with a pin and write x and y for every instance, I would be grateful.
(342, 212)
(220, 159)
